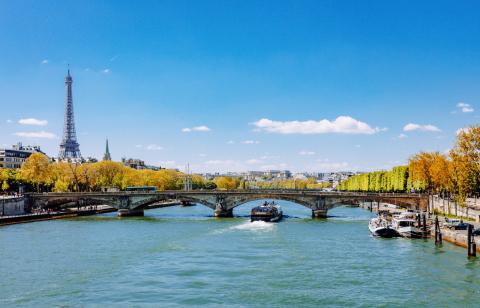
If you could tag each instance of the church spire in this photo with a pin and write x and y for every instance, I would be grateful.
(107, 156)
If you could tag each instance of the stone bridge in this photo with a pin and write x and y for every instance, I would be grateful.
(223, 202)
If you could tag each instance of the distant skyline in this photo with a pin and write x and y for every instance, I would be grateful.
(242, 85)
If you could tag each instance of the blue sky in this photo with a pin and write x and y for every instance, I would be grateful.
(257, 84)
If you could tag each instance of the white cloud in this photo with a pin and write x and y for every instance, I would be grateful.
(254, 161)
(9, 121)
(138, 146)
(424, 128)
(41, 134)
(230, 142)
(45, 61)
(357, 145)
(201, 128)
(250, 142)
(106, 71)
(202, 155)
(464, 107)
(306, 153)
(153, 147)
(402, 136)
(33, 121)
(342, 124)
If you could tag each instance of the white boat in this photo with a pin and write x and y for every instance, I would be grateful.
(406, 227)
(380, 227)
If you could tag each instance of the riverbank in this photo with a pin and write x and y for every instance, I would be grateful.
(70, 213)
(457, 237)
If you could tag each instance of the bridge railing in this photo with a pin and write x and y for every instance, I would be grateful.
(246, 191)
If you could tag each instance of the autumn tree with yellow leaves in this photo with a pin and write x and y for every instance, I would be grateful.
(456, 174)
(36, 170)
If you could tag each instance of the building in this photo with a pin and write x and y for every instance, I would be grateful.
(254, 175)
(134, 163)
(138, 164)
(14, 158)
(107, 156)
(278, 174)
(69, 147)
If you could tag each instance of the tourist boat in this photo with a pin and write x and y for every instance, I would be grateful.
(406, 227)
(380, 227)
(269, 212)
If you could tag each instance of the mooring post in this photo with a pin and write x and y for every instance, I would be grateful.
(474, 246)
(472, 249)
(469, 240)
(424, 223)
(419, 220)
(438, 232)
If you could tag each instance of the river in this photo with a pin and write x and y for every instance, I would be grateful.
(182, 256)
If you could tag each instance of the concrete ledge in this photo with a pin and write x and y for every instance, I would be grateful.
(319, 213)
(128, 212)
(223, 213)
(457, 237)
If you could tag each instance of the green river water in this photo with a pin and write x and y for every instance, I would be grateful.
(184, 257)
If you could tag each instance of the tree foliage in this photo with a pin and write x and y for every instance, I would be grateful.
(457, 174)
(62, 176)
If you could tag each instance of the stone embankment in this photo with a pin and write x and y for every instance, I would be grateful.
(17, 216)
(458, 237)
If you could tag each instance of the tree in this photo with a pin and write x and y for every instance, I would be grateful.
(420, 167)
(466, 162)
(5, 185)
(226, 182)
(87, 175)
(35, 170)
(210, 185)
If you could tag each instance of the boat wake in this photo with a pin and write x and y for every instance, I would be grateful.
(254, 226)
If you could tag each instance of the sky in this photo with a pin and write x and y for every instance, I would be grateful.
(242, 85)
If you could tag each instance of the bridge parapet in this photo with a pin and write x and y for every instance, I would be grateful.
(223, 202)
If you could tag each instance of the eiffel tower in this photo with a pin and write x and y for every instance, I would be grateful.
(69, 147)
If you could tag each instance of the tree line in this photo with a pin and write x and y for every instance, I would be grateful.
(39, 174)
(456, 173)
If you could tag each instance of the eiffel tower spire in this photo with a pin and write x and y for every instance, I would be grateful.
(69, 147)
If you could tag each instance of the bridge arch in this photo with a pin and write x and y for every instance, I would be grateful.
(278, 198)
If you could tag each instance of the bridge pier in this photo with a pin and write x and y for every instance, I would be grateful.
(223, 213)
(130, 212)
(319, 213)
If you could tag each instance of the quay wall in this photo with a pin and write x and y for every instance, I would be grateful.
(470, 210)
(457, 237)
(12, 206)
